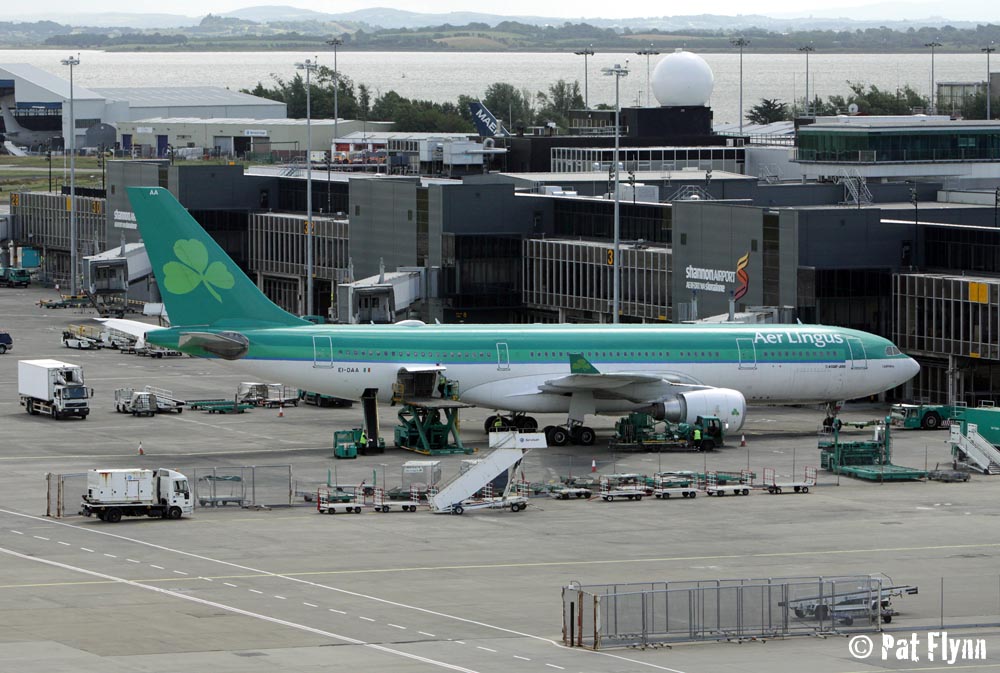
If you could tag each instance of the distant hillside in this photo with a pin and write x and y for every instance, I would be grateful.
(895, 14)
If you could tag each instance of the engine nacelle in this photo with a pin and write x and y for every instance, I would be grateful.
(729, 405)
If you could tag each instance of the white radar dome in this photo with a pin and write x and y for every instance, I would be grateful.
(682, 79)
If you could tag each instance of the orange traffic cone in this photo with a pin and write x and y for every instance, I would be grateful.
(281, 411)
(743, 440)
(593, 465)
(141, 452)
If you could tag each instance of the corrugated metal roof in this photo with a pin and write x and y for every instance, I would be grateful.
(184, 96)
(57, 86)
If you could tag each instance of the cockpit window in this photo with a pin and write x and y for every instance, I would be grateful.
(892, 350)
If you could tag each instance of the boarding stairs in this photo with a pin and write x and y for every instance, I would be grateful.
(977, 451)
(465, 485)
(856, 190)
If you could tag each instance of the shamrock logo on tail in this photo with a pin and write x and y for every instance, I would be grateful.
(193, 269)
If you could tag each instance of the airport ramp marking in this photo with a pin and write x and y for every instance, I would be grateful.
(240, 611)
(355, 594)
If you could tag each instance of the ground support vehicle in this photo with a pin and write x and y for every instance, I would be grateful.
(666, 486)
(774, 487)
(975, 434)
(430, 427)
(714, 487)
(384, 502)
(568, 492)
(320, 400)
(155, 352)
(872, 603)
(135, 402)
(921, 416)
(52, 387)
(330, 502)
(66, 301)
(13, 276)
(6, 343)
(869, 459)
(112, 494)
(271, 395)
(457, 495)
(641, 432)
(219, 406)
(165, 400)
(79, 342)
(624, 487)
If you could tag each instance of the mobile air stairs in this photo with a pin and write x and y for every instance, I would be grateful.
(972, 449)
(456, 496)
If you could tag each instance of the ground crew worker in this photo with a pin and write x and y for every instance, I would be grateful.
(442, 385)
(498, 424)
(363, 441)
(696, 436)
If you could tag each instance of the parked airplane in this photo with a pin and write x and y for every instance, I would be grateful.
(675, 372)
(486, 123)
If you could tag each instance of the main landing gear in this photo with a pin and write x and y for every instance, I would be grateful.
(555, 435)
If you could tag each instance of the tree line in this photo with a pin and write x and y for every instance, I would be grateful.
(870, 100)
(516, 107)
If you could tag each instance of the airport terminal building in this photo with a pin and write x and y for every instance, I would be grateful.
(887, 239)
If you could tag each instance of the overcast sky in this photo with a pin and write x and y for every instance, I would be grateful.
(574, 9)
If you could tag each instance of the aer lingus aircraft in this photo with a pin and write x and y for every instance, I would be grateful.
(675, 372)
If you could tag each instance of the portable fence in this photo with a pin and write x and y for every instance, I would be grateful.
(644, 615)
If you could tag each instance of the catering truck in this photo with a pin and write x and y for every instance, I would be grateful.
(112, 494)
(52, 387)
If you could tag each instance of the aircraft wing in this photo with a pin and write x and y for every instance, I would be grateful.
(584, 376)
(133, 327)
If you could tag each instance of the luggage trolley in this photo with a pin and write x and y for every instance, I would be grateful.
(775, 487)
(713, 487)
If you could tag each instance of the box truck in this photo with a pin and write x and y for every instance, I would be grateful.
(52, 387)
(112, 494)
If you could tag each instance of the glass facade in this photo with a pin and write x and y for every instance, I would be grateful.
(576, 276)
(897, 144)
(595, 219)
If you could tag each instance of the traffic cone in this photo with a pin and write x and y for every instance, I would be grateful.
(743, 440)
(281, 411)
(141, 452)
(593, 465)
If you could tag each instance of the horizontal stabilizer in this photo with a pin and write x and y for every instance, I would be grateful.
(225, 345)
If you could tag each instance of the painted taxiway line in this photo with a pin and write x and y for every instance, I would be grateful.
(239, 611)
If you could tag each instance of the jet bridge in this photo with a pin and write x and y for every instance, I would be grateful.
(384, 298)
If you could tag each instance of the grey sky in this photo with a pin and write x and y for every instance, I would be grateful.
(572, 9)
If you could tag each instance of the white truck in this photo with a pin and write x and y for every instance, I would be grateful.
(112, 494)
(52, 387)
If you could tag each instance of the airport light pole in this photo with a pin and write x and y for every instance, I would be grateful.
(742, 42)
(335, 42)
(989, 49)
(647, 53)
(589, 51)
(933, 45)
(617, 72)
(310, 67)
(73, 261)
(806, 49)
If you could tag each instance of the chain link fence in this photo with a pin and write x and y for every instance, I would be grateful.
(248, 486)
(648, 614)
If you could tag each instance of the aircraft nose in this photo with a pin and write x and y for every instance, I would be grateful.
(912, 368)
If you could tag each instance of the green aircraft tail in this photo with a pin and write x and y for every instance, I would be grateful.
(199, 283)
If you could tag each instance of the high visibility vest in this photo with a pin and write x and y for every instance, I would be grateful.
(697, 435)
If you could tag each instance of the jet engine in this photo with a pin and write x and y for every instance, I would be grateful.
(729, 405)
